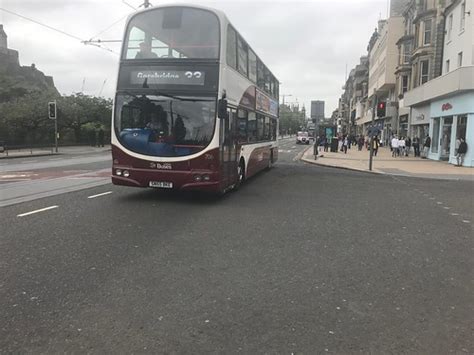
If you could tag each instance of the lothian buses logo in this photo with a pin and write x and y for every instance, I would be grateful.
(164, 166)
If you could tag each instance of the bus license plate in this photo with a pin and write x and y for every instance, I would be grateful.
(162, 184)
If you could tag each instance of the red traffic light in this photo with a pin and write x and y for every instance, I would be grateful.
(381, 105)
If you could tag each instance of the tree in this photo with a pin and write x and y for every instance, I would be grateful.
(24, 120)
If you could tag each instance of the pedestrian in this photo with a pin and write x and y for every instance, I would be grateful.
(416, 146)
(345, 144)
(326, 144)
(375, 145)
(401, 146)
(322, 144)
(456, 145)
(426, 147)
(462, 150)
(394, 145)
(408, 145)
(360, 142)
(101, 135)
(339, 143)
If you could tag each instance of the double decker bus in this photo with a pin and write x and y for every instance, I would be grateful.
(195, 107)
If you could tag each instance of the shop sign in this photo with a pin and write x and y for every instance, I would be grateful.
(447, 106)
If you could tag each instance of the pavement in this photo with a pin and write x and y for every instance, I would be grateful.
(384, 163)
(44, 151)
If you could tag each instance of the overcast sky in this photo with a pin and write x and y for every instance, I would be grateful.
(306, 44)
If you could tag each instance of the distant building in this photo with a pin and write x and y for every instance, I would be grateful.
(317, 111)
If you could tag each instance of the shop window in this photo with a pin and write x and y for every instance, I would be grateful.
(463, 16)
(461, 127)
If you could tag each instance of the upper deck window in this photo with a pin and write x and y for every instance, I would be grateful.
(173, 32)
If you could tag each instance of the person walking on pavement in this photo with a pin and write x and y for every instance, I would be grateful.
(416, 146)
(408, 145)
(375, 145)
(462, 150)
(345, 144)
(401, 147)
(394, 146)
(426, 147)
(360, 142)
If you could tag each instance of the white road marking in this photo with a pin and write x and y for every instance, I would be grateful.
(29, 161)
(454, 214)
(466, 221)
(439, 203)
(102, 194)
(447, 208)
(36, 211)
(293, 147)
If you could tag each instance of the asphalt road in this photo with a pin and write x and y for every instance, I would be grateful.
(302, 259)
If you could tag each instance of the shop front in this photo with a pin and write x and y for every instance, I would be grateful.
(419, 122)
(452, 118)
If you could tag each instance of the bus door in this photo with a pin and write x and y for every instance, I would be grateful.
(228, 151)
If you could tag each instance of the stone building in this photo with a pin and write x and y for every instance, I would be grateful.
(420, 51)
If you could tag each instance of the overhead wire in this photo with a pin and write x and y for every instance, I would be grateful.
(57, 30)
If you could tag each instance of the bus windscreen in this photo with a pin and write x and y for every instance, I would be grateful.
(172, 32)
(164, 126)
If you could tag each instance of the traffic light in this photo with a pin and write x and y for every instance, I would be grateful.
(52, 110)
(381, 109)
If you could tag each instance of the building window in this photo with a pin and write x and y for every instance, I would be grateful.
(231, 47)
(427, 32)
(459, 59)
(406, 53)
(463, 16)
(450, 26)
(447, 66)
(424, 66)
(404, 84)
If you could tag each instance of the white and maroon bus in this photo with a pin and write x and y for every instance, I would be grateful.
(195, 108)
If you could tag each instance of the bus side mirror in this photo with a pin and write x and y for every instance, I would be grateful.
(222, 109)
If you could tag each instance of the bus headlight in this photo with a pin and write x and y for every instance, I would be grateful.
(197, 178)
(118, 172)
(206, 178)
(126, 173)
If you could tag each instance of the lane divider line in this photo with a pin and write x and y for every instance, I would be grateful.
(37, 211)
(102, 194)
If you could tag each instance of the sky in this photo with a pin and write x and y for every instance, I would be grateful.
(306, 44)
